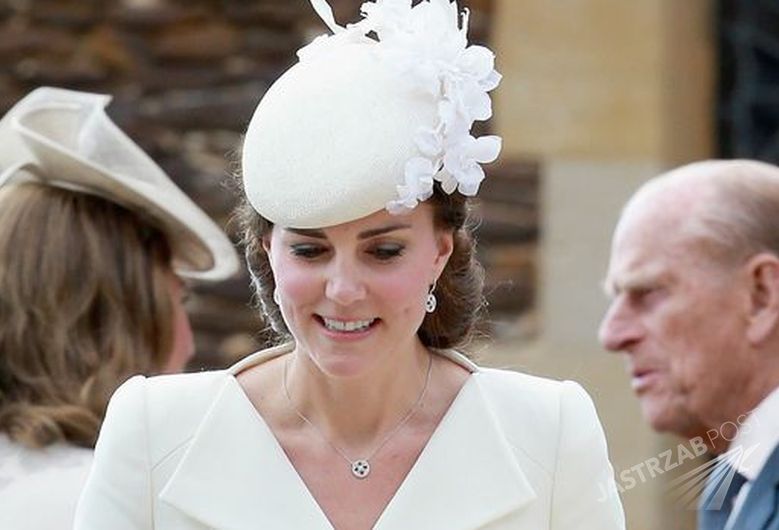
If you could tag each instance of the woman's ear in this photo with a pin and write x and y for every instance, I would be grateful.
(763, 280)
(445, 247)
(266, 244)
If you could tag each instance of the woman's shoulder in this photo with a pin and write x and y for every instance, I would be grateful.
(556, 435)
(522, 394)
(164, 409)
(519, 388)
(557, 410)
(173, 394)
(170, 390)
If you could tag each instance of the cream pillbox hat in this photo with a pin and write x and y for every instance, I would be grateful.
(65, 139)
(371, 117)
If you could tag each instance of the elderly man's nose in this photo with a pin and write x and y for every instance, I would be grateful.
(619, 328)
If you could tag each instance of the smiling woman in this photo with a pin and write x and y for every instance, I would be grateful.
(357, 169)
(458, 289)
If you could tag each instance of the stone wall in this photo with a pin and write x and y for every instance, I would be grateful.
(185, 77)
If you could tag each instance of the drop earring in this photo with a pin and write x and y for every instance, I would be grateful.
(431, 302)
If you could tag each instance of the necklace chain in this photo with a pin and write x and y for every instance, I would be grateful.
(360, 467)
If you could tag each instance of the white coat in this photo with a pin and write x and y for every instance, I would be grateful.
(514, 452)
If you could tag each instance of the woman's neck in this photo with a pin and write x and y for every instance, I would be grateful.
(354, 412)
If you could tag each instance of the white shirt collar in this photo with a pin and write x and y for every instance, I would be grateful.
(757, 437)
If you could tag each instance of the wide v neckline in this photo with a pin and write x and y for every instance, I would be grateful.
(281, 454)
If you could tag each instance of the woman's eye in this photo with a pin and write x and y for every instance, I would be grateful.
(307, 251)
(387, 252)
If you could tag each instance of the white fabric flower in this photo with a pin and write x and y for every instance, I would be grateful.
(463, 160)
(418, 185)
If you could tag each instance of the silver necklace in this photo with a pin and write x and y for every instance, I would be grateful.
(361, 467)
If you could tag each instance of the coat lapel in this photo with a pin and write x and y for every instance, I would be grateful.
(762, 503)
(235, 475)
(466, 476)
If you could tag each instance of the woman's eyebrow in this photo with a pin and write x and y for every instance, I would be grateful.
(307, 232)
(380, 231)
(319, 234)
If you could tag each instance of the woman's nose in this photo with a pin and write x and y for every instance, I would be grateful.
(344, 284)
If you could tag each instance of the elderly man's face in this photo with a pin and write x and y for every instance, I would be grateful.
(679, 319)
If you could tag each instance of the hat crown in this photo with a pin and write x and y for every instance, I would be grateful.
(362, 123)
(332, 135)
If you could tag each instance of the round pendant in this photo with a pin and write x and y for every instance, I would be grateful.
(361, 468)
(430, 303)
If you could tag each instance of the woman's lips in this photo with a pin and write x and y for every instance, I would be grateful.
(346, 336)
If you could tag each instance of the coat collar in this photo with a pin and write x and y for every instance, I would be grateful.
(762, 502)
(466, 476)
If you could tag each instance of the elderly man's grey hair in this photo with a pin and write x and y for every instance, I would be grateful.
(737, 214)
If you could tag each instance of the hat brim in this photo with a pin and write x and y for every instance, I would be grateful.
(200, 248)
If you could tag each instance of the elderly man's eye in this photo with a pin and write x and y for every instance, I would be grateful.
(646, 295)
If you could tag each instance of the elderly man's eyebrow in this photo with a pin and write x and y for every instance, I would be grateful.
(637, 281)
(366, 234)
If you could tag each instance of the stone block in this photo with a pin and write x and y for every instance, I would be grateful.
(5, 12)
(84, 74)
(19, 41)
(76, 15)
(196, 42)
(278, 15)
(155, 16)
(271, 43)
(218, 108)
(115, 50)
(166, 76)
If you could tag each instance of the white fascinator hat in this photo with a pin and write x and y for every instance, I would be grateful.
(371, 117)
(65, 139)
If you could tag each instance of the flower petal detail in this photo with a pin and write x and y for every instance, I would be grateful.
(491, 82)
(478, 61)
(486, 149)
(478, 103)
(470, 180)
(429, 143)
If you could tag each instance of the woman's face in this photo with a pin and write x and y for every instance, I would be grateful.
(354, 294)
(183, 348)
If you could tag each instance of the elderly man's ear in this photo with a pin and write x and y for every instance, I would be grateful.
(763, 278)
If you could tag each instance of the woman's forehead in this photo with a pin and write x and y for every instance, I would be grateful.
(376, 224)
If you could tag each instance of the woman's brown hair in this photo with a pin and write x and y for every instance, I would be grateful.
(459, 289)
(84, 303)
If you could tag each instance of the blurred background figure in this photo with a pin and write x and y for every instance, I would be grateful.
(694, 283)
(94, 242)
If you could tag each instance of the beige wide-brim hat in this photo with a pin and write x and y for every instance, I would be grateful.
(65, 139)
